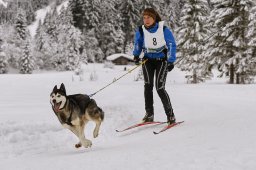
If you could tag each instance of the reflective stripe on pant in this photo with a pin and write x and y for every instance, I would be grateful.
(158, 68)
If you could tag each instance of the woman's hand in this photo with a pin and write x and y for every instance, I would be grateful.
(170, 66)
(136, 60)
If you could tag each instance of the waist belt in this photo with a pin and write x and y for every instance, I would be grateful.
(154, 50)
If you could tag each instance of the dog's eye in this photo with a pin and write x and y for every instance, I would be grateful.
(58, 95)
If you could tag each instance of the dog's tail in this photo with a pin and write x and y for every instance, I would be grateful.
(101, 112)
(96, 110)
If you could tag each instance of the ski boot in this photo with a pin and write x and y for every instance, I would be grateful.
(171, 118)
(148, 118)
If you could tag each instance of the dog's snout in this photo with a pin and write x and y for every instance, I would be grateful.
(54, 100)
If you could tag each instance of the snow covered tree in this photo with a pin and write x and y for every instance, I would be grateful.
(44, 46)
(251, 51)
(107, 42)
(210, 4)
(169, 11)
(191, 34)
(9, 47)
(87, 17)
(3, 63)
(93, 52)
(78, 13)
(69, 41)
(21, 24)
(92, 14)
(50, 23)
(46, 42)
(19, 38)
(227, 47)
(3, 60)
(58, 42)
(119, 40)
(130, 16)
(251, 33)
(145, 4)
(8, 13)
(110, 35)
(39, 36)
(26, 61)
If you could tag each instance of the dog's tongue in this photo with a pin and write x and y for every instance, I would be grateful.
(56, 107)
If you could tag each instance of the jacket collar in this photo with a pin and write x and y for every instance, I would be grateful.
(152, 28)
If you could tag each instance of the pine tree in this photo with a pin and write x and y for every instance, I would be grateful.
(50, 23)
(169, 11)
(20, 25)
(146, 4)
(87, 16)
(46, 41)
(251, 51)
(39, 36)
(59, 42)
(20, 37)
(92, 14)
(3, 60)
(93, 52)
(108, 43)
(8, 14)
(251, 33)
(78, 13)
(69, 39)
(9, 47)
(108, 27)
(3, 63)
(130, 19)
(119, 40)
(192, 33)
(26, 61)
(210, 4)
(228, 46)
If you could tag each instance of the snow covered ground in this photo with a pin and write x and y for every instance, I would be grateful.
(218, 133)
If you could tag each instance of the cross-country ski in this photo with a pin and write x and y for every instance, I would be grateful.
(168, 127)
(140, 124)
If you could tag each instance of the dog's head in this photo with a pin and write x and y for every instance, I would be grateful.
(58, 98)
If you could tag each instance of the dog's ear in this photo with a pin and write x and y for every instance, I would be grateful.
(62, 88)
(55, 88)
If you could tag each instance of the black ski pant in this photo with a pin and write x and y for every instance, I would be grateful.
(159, 69)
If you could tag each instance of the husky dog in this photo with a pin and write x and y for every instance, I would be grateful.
(74, 112)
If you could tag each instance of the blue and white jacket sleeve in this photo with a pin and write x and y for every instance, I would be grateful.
(171, 45)
(138, 43)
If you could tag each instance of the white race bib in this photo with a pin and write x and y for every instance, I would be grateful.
(154, 42)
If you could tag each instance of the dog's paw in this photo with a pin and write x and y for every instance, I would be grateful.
(95, 134)
(78, 145)
(87, 143)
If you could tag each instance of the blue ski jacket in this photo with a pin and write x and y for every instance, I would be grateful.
(170, 43)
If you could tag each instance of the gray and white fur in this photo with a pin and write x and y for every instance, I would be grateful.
(75, 111)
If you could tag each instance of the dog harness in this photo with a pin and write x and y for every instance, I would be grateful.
(82, 105)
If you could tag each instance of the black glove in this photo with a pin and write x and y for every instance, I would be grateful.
(136, 60)
(170, 66)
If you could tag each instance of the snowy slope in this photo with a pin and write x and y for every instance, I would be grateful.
(40, 15)
(218, 133)
(3, 3)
